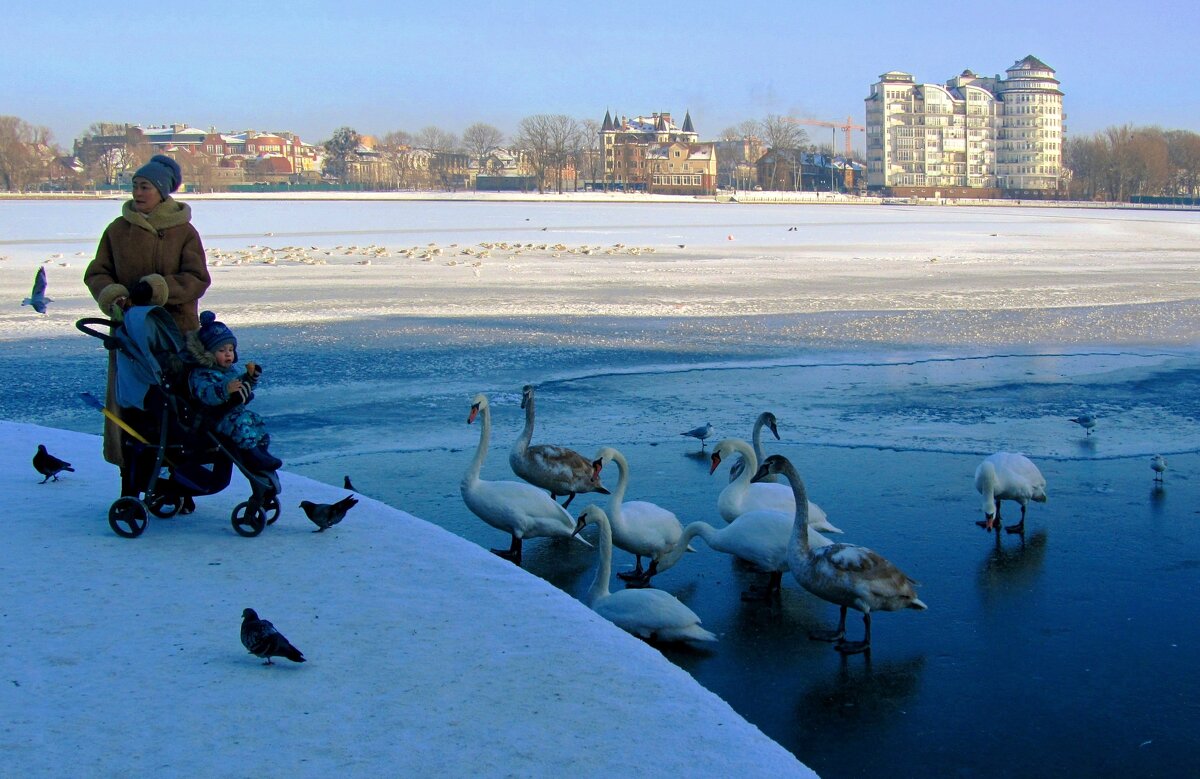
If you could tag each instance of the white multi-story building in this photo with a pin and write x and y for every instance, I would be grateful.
(972, 136)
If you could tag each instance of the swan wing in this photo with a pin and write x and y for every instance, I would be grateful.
(651, 613)
(518, 508)
(648, 527)
(758, 537)
(557, 468)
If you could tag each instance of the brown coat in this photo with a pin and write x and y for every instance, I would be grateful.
(131, 248)
(136, 246)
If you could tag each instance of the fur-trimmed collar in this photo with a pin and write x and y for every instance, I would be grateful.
(169, 213)
(202, 356)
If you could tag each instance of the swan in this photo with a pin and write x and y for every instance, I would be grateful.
(643, 529)
(846, 575)
(647, 613)
(519, 509)
(759, 537)
(560, 470)
(765, 418)
(1008, 476)
(742, 496)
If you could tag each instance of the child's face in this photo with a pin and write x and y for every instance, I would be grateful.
(225, 355)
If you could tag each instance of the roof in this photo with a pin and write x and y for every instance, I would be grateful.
(1030, 63)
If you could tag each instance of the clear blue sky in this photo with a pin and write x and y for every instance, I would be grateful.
(382, 66)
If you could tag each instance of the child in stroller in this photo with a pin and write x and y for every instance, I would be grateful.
(225, 391)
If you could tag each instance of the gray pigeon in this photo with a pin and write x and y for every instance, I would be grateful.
(48, 465)
(346, 483)
(261, 638)
(703, 432)
(326, 515)
(37, 298)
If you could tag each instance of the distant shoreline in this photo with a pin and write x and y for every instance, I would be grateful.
(724, 198)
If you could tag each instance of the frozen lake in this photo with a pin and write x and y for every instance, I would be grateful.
(891, 374)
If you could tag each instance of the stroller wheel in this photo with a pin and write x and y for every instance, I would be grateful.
(165, 506)
(246, 522)
(271, 510)
(128, 517)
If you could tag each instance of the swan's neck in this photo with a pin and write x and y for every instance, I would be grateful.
(522, 442)
(756, 438)
(702, 529)
(987, 488)
(618, 494)
(800, 524)
(599, 588)
(485, 434)
(742, 448)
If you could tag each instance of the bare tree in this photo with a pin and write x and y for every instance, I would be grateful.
(591, 159)
(551, 140)
(785, 139)
(436, 139)
(23, 152)
(1183, 148)
(481, 139)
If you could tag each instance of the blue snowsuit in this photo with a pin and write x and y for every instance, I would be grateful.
(244, 427)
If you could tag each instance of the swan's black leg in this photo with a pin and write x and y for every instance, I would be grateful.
(635, 574)
(831, 635)
(760, 593)
(1020, 526)
(855, 647)
(570, 498)
(513, 553)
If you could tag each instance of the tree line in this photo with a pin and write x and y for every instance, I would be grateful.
(1123, 162)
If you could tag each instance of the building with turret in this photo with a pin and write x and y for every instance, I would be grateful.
(973, 136)
(652, 154)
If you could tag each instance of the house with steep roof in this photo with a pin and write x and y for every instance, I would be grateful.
(653, 154)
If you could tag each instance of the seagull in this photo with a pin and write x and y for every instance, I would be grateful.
(48, 465)
(1086, 421)
(703, 432)
(37, 298)
(261, 638)
(346, 484)
(1158, 464)
(326, 515)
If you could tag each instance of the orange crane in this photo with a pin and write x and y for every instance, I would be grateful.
(845, 127)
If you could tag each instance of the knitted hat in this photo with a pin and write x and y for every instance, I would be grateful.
(214, 334)
(163, 172)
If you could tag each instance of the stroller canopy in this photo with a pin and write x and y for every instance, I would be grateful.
(146, 339)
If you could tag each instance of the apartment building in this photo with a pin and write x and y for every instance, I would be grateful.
(973, 136)
(653, 154)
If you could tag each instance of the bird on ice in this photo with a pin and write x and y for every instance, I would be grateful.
(262, 639)
(1086, 421)
(326, 515)
(346, 484)
(702, 433)
(1158, 464)
(48, 465)
(37, 298)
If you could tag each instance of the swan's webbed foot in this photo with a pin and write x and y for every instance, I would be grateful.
(512, 554)
(640, 583)
(827, 635)
(1017, 528)
(570, 498)
(853, 647)
(773, 589)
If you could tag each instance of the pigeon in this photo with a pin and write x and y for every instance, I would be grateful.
(261, 638)
(347, 485)
(326, 515)
(37, 298)
(1086, 421)
(703, 432)
(48, 465)
(1158, 464)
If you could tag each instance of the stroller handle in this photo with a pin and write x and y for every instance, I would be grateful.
(85, 324)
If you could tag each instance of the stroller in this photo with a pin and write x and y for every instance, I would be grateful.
(168, 439)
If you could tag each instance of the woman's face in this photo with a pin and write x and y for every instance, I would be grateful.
(145, 195)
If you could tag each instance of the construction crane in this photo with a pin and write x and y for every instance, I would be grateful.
(845, 127)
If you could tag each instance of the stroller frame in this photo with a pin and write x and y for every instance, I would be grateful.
(195, 461)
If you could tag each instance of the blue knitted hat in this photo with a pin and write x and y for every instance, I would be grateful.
(214, 334)
(163, 172)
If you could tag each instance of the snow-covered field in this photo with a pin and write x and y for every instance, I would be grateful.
(865, 327)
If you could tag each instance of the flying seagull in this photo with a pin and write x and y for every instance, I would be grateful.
(37, 298)
(326, 515)
(703, 432)
(48, 465)
(261, 638)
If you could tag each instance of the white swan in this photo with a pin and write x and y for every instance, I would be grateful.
(765, 418)
(742, 496)
(760, 538)
(519, 509)
(647, 613)
(641, 528)
(1008, 476)
(846, 575)
(560, 470)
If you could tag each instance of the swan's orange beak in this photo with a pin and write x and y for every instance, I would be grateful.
(716, 460)
(597, 465)
(474, 412)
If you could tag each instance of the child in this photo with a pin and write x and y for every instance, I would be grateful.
(217, 384)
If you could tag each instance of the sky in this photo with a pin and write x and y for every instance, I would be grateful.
(421, 664)
(383, 66)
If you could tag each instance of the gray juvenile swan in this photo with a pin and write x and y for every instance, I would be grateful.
(560, 470)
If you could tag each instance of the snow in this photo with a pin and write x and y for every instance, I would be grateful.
(427, 655)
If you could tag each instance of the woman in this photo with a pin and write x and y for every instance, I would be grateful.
(151, 254)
